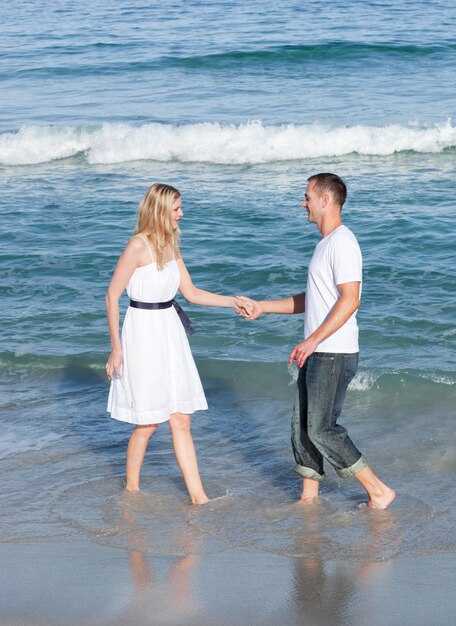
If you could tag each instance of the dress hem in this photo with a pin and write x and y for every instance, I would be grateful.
(148, 417)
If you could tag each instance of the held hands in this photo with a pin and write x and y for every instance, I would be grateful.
(252, 309)
(247, 308)
(114, 364)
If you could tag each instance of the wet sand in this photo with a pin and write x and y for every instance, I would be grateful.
(76, 582)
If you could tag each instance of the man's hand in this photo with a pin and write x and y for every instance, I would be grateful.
(302, 351)
(248, 308)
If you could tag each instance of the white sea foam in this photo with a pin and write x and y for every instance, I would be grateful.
(441, 379)
(364, 380)
(217, 143)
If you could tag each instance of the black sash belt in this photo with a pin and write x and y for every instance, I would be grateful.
(153, 306)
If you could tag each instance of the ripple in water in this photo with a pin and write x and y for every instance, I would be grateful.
(164, 523)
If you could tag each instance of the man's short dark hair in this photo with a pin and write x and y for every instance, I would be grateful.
(330, 183)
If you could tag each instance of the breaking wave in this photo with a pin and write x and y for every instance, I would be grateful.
(216, 143)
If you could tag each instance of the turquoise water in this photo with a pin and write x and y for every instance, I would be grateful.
(236, 106)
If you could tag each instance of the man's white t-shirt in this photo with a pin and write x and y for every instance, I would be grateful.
(336, 260)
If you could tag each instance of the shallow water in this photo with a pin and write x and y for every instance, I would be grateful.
(66, 480)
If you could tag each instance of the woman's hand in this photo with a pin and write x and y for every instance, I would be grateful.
(247, 308)
(114, 364)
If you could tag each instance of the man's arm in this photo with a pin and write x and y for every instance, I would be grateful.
(344, 308)
(287, 306)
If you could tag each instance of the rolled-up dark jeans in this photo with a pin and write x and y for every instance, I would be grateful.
(315, 433)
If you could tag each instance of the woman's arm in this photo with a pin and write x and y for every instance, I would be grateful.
(129, 260)
(198, 296)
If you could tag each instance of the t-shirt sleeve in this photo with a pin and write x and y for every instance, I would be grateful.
(346, 261)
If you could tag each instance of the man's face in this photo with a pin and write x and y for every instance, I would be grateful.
(312, 203)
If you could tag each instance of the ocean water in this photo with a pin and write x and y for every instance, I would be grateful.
(236, 105)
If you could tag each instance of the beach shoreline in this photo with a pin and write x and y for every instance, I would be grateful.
(78, 582)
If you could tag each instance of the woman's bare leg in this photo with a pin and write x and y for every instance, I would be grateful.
(184, 449)
(380, 495)
(135, 454)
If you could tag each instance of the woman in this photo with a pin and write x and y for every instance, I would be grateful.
(153, 376)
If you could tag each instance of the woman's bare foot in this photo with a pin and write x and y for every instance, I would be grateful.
(200, 499)
(131, 488)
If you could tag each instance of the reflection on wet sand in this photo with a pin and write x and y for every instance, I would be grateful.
(315, 589)
(332, 592)
(159, 596)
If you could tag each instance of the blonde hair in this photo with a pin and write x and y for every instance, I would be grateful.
(155, 220)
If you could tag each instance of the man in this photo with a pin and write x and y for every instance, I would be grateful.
(328, 356)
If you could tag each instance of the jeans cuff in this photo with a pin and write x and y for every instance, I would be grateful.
(307, 472)
(360, 464)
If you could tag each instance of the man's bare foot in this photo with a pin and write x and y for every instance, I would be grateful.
(307, 499)
(310, 489)
(380, 495)
(383, 500)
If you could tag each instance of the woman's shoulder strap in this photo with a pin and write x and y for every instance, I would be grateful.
(148, 246)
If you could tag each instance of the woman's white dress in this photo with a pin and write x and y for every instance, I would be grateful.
(159, 375)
